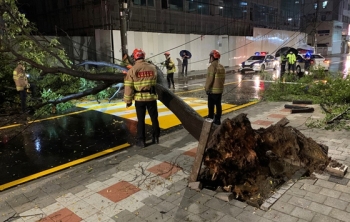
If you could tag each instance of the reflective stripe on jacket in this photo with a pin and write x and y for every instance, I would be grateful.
(20, 77)
(171, 64)
(141, 77)
(215, 78)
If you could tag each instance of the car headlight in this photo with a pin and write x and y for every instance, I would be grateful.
(257, 64)
(240, 64)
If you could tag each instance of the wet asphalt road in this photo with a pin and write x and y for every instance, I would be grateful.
(51, 143)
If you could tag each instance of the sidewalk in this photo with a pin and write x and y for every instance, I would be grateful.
(150, 184)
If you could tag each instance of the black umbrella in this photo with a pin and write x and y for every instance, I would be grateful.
(187, 53)
(286, 50)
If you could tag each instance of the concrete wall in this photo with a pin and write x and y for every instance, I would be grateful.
(234, 49)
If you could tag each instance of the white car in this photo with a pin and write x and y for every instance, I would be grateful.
(316, 61)
(258, 63)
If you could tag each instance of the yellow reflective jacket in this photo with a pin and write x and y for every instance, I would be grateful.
(171, 65)
(141, 77)
(291, 58)
(20, 78)
(215, 78)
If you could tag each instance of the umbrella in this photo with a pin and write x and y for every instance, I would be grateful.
(286, 50)
(187, 53)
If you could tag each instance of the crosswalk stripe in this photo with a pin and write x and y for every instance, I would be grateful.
(166, 117)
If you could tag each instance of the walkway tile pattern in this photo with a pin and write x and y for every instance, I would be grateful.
(131, 185)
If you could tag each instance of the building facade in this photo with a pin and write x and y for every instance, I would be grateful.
(217, 17)
(327, 23)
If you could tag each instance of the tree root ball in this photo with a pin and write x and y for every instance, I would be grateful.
(253, 163)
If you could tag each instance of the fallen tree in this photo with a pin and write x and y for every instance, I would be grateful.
(47, 60)
(252, 163)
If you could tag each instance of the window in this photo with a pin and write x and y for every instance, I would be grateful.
(203, 7)
(139, 2)
(315, 6)
(323, 17)
(199, 6)
(234, 9)
(316, 56)
(176, 5)
(324, 4)
(150, 3)
(323, 31)
(81, 4)
(164, 4)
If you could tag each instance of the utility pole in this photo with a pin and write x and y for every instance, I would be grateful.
(315, 26)
(123, 10)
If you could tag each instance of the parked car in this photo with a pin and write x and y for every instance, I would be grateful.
(259, 62)
(317, 61)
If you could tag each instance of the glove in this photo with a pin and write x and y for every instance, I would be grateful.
(207, 92)
(128, 105)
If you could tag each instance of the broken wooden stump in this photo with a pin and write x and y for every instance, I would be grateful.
(203, 140)
(336, 169)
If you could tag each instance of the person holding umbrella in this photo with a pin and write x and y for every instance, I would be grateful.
(185, 58)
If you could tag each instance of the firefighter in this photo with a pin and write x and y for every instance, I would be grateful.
(171, 69)
(21, 81)
(291, 61)
(214, 86)
(139, 83)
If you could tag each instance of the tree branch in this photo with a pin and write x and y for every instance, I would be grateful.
(108, 76)
(33, 39)
(92, 91)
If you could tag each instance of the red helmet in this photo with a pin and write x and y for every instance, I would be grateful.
(139, 54)
(215, 54)
(167, 53)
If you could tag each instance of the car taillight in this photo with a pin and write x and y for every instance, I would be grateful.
(326, 61)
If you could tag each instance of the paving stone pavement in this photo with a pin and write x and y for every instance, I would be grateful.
(151, 184)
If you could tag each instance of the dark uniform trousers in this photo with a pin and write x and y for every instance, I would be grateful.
(170, 78)
(184, 69)
(214, 100)
(23, 96)
(141, 114)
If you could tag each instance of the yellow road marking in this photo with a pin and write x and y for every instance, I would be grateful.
(103, 106)
(132, 115)
(168, 121)
(61, 167)
(5, 127)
